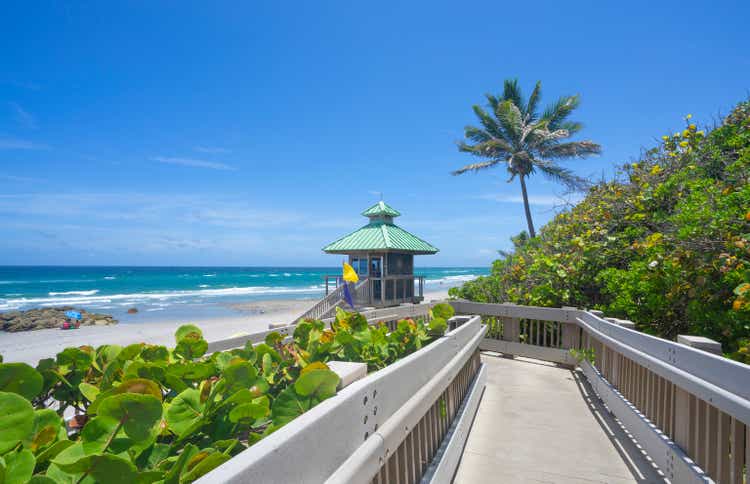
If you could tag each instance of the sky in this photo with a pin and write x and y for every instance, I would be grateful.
(254, 133)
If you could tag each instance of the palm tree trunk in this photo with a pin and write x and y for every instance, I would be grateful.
(529, 222)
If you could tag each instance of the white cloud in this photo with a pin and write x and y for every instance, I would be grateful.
(19, 144)
(24, 118)
(212, 150)
(192, 162)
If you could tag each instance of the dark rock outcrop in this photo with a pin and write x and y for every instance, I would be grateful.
(44, 318)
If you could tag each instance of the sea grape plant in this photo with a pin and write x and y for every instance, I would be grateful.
(146, 413)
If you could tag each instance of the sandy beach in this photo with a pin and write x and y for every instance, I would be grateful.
(31, 346)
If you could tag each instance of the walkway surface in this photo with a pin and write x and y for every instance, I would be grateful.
(541, 423)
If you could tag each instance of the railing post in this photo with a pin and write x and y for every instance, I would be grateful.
(700, 343)
(511, 329)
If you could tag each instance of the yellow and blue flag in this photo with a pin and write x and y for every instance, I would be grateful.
(350, 275)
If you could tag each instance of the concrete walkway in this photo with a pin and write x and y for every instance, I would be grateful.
(541, 423)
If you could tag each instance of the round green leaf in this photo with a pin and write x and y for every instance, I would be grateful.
(240, 375)
(142, 386)
(20, 378)
(187, 330)
(185, 410)
(89, 391)
(19, 466)
(53, 450)
(16, 420)
(205, 466)
(288, 405)
(247, 411)
(138, 413)
(97, 433)
(317, 383)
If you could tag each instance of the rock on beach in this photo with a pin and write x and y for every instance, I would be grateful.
(42, 318)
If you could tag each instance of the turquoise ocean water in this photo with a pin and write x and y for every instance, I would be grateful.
(166, 293)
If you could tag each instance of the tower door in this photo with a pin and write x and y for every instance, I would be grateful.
(376, 272)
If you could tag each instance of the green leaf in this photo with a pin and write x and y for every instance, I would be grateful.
(438, 326)
(16, 420)
(89, 391)
(52, 451)
(173, 476)
(186, 330)
(47, 426)
(191, 346)
(205, 466)
(20, 378)
(288, 405)
(247, 412)
(185, 411)
(142, 386)
(74, 357)
(240, 375)
(98, 434)
(317, 383)
(19, 466)
(137, 413)
(443, 310)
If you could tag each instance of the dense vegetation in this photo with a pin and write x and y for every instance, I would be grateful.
(145, 413)
(666, 244)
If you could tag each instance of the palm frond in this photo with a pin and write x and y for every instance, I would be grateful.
(512, 93)
(476, 135)
(488, 122)
(476, 167)
(562, 175)
(536, 96)
(572, 149)
(557, 112)
(497, 149)
(510, 119)
(571, 127)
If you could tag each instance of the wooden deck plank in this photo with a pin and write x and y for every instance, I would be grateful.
(541, 423)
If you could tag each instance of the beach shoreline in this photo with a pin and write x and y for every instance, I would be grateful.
(251, 316)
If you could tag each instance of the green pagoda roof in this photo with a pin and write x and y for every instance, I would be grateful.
(381, 234)
(381, 209)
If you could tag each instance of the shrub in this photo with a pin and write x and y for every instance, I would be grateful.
(665, 244)
(147, 413)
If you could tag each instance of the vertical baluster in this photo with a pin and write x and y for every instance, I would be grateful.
(722, 447)
(712, 425)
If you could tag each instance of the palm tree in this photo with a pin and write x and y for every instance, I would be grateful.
(516, 135)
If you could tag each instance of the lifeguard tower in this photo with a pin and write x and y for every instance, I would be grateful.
(382, 253)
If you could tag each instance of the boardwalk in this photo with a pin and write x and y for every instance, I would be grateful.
(538, 423)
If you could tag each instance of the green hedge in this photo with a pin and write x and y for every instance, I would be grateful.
(147, 413)
(665, 244)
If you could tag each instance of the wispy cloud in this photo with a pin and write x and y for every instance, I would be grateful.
(24, 118)
(19, 144)
(192, 162)
(22, 179)
(542, 200)
(24, 85)
(214, 150)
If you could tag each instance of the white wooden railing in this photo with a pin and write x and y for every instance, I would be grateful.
(405, 423)
(688, 409)
(326, 306)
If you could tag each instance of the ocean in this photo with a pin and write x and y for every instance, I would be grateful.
(171, 293)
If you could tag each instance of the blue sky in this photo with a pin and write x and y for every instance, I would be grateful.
(253, 133)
